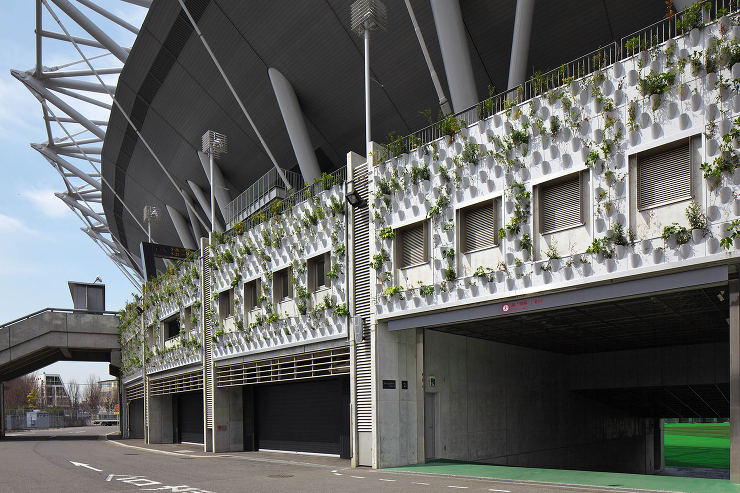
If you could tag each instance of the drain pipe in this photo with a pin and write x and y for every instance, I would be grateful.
(443, 102)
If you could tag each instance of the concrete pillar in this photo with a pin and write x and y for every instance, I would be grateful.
(735, 380)
(2, 409)
(220, 190)
(296, 125)
(420, 389)
(455, 53)
(228, 419)
(520, 42)
(182, 229)
(161, 419)
(194, 222)
(205, 204)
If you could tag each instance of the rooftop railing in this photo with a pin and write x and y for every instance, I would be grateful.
(597, 60)
(267, 188)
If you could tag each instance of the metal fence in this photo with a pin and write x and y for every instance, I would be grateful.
(597, 60)
(277, 206)
(16, 419)
(268, 187)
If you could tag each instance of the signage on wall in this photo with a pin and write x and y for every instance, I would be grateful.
(389, 384)
(432, 381)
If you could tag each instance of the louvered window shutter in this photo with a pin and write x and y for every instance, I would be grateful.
(561, 206)
(664, 178)
(480, 228)
(412, 247)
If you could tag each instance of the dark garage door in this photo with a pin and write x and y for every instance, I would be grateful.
(136, 418)
(190, 416)
(303, 416)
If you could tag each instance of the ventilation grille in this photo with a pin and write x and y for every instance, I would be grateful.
(135, 392)
(561, 206)
(207, 331)
(664, 178)
(185, 382)
(297, 367)
(363, 360)
(480, 228)
(412, 246)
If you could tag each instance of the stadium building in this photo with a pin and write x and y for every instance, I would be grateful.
(538, 278)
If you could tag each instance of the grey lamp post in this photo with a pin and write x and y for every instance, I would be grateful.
(151, 215)
(368, 15)
(214, 144)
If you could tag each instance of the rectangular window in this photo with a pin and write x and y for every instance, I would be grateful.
(478, 226)
(173, 328)
(561, 205)
(318, 266)
(225, 303)
(413, 244)
(282, 290)
(252, 294)
(664, 178)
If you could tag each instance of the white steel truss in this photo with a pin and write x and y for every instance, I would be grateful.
(68, 102)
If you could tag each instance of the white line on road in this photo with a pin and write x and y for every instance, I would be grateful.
(459, 487)
(358, 477)
(80, 464)
(337, 474)
(389, 480)
(425, 484)
(502, 491)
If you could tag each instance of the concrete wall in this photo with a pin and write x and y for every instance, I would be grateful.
(396, 426)
(228, 419)
(508, 405)
(161, 419)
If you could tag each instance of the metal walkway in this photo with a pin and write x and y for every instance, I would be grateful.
(32, 342)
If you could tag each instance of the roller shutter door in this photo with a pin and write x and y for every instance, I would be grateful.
(190, 416)
(136, 418)
(302, 416)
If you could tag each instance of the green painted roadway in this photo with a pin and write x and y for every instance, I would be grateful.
(585, 478)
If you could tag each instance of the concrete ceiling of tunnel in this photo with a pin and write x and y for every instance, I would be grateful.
(675, 318)
(312, 45)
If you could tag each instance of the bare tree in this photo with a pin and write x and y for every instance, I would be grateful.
(73, 391)
(91, 394)
(17, 391)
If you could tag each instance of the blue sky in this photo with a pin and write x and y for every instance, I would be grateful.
(41, 245)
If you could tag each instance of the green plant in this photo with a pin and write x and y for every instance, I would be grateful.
(451, 126)
(391, 291)
(682, 234)
(341, 310)
(601, 246)
(554, 125)
(697, 218)
(419, 173)
(618, 237)
(726, 163)
(734, 231)
(336, 206)
(426, 290)
(552, 251)
(379, 259)
(396, 146)
(692, 17)
(470, 153)
(518, 262)
(450, 274)
(448, 254)
(525, 244)
(387, 233)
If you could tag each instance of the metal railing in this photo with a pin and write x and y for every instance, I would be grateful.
(278, 205)
(56, 310)
(595, 61)
(265, 189)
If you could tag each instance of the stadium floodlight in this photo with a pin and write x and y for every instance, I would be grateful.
(151, 215)
(214, 144)
(368, 15)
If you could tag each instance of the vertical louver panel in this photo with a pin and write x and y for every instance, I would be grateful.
(363, 376)
(480, 228)
(561, 206)
(412, 246)
(663, 178)
(207, 333)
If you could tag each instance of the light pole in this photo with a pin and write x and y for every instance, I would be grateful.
(214, 144)
(151, 215)
(368, 15)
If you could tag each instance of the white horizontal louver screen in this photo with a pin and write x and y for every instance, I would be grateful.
(412, 246)
(480, 228)
(664, 178)
(561, 206)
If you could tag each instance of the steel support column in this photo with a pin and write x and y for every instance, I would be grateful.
(205, 205)
(296, 125)
(455, 53)
(734, 380)
(520, 42)
(220, 190)
(182, 229)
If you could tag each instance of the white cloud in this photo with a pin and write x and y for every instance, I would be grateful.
(10, 225)
(46, 202)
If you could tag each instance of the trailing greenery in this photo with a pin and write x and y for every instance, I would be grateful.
(682, 234)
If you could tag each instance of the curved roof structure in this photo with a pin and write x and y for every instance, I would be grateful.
(172, 91)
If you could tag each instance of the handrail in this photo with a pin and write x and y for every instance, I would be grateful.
(58, 310)
(592, 62)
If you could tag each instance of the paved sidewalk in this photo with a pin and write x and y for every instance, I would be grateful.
(584, 478)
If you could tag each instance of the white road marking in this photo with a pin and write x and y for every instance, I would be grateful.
(358, 477)
(502, 491)
(459, 487)
(334, 470)
(80, 464)
(337, 474)
(389, 480)
(425, 484)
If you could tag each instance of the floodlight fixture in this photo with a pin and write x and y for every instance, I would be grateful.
(151, 216)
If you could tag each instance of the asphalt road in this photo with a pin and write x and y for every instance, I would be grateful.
(80, 460)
